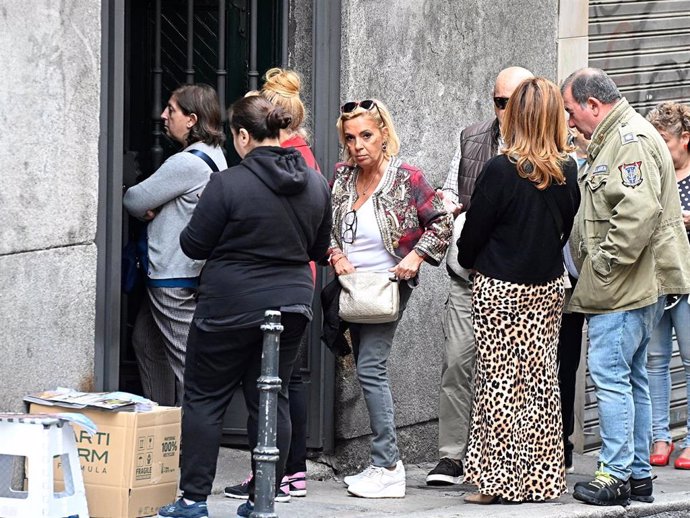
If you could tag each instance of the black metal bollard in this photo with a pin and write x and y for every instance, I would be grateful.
(266, 453)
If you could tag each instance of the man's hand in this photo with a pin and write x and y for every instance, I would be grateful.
(451, 207)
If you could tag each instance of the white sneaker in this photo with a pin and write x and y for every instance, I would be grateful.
(351, 479)
(380, 483)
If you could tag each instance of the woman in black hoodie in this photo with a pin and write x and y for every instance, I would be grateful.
(257, 225)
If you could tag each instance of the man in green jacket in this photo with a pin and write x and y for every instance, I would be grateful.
(631, 245)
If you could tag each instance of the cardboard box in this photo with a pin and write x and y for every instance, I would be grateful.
(131, 466)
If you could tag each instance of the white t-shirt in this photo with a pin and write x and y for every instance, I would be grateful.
(367, 252)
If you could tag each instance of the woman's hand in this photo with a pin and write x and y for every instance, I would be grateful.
(408, 267)
(150, 214)
(343, 266)
(686, 219)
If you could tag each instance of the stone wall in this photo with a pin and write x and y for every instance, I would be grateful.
(433, 63)
(50, 55)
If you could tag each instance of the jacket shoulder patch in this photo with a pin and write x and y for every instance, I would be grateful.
(627, 135)
(600, 169)
(631, 174)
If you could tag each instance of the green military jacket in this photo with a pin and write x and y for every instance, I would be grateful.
(628, 238)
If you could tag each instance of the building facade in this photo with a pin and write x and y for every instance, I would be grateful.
(84, 83)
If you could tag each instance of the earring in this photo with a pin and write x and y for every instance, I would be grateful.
(385, 146)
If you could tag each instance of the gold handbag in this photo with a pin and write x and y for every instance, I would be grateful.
(368, 298)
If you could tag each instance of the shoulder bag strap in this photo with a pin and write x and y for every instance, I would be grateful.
(209, 161)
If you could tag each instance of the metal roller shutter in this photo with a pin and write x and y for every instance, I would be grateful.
(645, 47)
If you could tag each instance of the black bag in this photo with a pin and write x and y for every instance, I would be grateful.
(135, 262)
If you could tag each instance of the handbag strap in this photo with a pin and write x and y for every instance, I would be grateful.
(209, 161)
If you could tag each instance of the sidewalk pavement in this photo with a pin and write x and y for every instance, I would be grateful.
(329, 497)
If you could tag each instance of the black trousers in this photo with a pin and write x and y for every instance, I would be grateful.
(569, 347)
(299, 398)
(216, 364)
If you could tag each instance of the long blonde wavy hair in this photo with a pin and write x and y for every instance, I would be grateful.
(536, 133)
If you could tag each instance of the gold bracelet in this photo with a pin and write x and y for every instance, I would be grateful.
(339, 258)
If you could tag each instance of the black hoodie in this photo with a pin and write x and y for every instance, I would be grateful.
(256, 257)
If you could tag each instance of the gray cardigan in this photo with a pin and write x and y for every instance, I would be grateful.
(175, 189)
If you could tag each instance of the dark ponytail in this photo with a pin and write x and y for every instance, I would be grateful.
(259, 117)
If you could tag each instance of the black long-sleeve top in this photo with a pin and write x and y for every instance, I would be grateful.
(510, 233)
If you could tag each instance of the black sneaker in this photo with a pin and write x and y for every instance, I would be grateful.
(447, 472)
(604, 489)
(641, 489)
(240, 491)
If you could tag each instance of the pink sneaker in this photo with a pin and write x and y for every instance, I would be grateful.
(298, 483)
(284, 491)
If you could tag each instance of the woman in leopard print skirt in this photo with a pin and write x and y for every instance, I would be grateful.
(520, 217)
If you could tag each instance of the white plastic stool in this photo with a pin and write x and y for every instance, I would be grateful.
(40, 439)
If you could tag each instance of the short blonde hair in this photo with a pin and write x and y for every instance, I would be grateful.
(282, 88)
(382, 117)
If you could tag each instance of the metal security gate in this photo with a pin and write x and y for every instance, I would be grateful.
(645, 47)
(228, 44)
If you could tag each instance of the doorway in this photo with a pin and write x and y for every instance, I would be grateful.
(172, 42)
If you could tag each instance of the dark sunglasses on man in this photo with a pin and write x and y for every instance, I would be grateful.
(501, 102)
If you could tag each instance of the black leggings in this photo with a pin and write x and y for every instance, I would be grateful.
(216, 364)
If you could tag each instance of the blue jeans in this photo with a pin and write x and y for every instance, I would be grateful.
(658, 360)
(617, 363)
(371, 345)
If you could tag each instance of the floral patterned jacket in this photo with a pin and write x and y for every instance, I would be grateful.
(409, 212)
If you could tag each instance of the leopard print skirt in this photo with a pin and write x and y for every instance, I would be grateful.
(515, 448)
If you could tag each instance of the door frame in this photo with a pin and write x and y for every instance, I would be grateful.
(109, 227)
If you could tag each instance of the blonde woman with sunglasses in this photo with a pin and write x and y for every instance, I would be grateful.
(386, 218)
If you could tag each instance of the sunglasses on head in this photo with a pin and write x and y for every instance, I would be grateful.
(351, 106)
(501, 102)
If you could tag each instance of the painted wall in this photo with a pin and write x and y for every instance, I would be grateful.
(50, 55)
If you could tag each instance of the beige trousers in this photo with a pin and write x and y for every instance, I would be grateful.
(455, 398)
